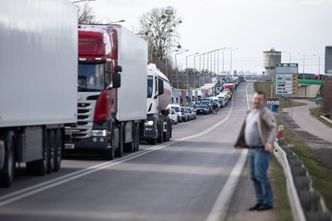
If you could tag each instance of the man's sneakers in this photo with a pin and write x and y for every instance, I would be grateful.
(264, 207)
(256, 207)
(260, 207)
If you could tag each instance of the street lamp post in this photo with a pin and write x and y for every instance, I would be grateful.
(188, 56)
(195, 67)
(303, 61)
(176, 67)
(290, 56)
(167, 56)
(231, 64)
(318, 62)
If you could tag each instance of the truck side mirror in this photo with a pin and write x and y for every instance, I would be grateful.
(117, 77)
(118, 69)
(160, 87)
(116, 80)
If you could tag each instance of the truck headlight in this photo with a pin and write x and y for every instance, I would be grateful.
(99, 133)
(149, 123)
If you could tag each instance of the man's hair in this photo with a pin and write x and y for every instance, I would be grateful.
(261, 93)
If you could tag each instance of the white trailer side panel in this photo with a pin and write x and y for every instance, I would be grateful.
(132, 94)
(38, 62)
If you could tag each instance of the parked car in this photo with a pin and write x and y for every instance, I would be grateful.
(178, 112)
(193, 112)
(203, 108)
(185, 115)
(222, 100)
(173, 116)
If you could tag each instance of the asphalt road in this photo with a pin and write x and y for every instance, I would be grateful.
(185, 179)
(302, 117)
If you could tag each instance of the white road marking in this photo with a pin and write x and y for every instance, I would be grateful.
(220, 207)
(28, 191)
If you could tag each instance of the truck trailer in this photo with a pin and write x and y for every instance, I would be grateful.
(111, 91)
(158, 125)
(38, 83)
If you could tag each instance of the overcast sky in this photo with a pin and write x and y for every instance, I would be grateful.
(296, 26)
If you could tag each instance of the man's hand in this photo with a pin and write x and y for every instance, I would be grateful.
(268, 147)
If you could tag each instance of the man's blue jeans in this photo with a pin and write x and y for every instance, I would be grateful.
(258, 166)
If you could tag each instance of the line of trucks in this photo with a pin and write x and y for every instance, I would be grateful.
(66, 87)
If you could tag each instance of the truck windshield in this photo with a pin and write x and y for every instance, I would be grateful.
(91, 77)
(150, 87)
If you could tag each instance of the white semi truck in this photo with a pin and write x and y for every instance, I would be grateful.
(38, 83)
(157, 127)
(112, 91)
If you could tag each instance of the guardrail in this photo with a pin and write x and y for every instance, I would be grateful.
(325, 118)
(306, 203)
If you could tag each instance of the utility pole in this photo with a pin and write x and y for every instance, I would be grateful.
(176, 67)
(231, 64)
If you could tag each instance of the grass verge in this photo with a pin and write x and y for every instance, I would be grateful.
(316, 112)
(280, 191)
(321, 176)
(284, 102)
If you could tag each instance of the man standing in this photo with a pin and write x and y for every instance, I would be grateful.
(258, 133)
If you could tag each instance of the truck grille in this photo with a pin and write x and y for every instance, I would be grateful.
(85, 114)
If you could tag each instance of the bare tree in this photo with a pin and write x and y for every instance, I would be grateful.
(159, 28)
(86, 15)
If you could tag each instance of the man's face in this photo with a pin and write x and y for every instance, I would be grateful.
(258, 100)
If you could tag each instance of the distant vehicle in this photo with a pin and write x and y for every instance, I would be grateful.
(229, 86)
(223, 99)
(38, 92)
(185, 114)
(177, 109)
(203, 108)
(173, 116)
(193, 112)
(242, 79)
(157, 127)
(215, 100)
(228, 92)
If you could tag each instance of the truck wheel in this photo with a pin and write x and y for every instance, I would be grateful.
(51, 146)
(152, 141)
(119, 151)
(108, 154)
(160, 133)
(137, 137)
(167, 134)
(58, 150)
(130, 147)
(7, 173)
(39, 167)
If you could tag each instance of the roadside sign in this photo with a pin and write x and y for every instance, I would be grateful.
(287, 68)
(272, 101)
(286, 79)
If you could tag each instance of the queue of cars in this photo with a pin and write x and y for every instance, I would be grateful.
(180, 114)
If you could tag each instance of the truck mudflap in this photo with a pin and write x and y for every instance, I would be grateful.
(2, 154)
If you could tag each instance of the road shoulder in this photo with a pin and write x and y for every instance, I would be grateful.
(244, 197)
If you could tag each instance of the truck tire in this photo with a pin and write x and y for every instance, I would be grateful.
(130, 147)
(58, 150)
(51, 146)
(167, 134)
(7, 173)
(108, 154)
(160, 133)
(137, 137)
(119, 151)
(152, 141)
(39, 167)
